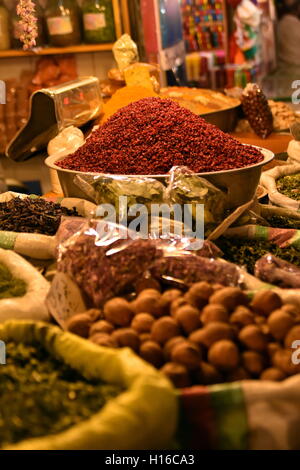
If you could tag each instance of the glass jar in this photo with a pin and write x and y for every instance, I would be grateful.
(98, 21)
(63, 23)
(4, 27)
(16, 29)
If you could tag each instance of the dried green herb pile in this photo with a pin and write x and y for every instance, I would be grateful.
(40, 395)
(278, 221)
(9, 285)
(247, 252)
(32, 215)
(289, 186)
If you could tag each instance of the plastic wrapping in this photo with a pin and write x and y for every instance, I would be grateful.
(66, 142)
(102, 260)
(276, 271)
(125, 52)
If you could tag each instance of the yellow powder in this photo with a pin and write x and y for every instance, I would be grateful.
(123, 97)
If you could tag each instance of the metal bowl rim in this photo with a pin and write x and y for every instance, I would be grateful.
(268, 157)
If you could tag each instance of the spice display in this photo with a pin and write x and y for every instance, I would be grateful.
(152, 135)
(123, 97)
(246, 252)
(17, 26)
(40, 395)
(257, 110)
(98, 21)
(32, 215)
(278, 272)
(62, 18)
(289, 186)
(209, 334)
(9, 285)
(280, 221)
(4, 27)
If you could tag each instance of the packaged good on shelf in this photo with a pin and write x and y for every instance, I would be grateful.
(63, 23)
(16, 28)
(98, 21)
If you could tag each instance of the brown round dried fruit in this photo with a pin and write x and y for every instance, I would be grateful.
(103, 339)
(102, 326)
(164, 329)
(265, 302)
(272, 348)
(168, 297)
(274, 374)
(211, 333)
(242, 316)
(199, 293)
(187, 354)
(176, 304)
(253, 362)
(169, 345)
(188, 318)
(280, 322)
(293, 310)
(230, 297)
(152, 352)
(253, 338)
(293, 335)
(127, 337)
(118, 311)
(145, 337)
(142, 322)
(224, 355)
(95, 314)
(149, 303)
(79, 324)
(282, 359)
(177, 373)
(209, 375)
(214, 312)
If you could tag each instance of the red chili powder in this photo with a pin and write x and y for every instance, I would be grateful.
(152, 135)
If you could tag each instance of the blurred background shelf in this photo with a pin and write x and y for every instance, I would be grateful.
(81, 48)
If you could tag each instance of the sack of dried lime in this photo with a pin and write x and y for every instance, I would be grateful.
(61, 392)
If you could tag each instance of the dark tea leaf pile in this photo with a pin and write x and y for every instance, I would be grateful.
(32, 215)
(40, 395)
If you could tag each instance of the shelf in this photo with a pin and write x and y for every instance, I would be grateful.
(81, 48)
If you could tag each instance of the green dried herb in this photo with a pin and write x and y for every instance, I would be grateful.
(290, 186)
(247, 252)
(9, 285)
(40, 395)
(278, 221)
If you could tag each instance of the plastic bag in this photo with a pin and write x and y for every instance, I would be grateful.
(103, 260)
(66, 142)
(276, 271)
(125, 52)
(143, 416)
(268, 180)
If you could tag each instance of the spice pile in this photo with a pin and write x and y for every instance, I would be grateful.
(247, 252)
(10, 286)
(151, 136)
(32, 215)
(289, 186)
(40, 395)
(208, 335)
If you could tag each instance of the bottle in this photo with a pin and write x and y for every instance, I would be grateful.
(16, 30)
(4, 27)
(63, 23)
(98, 21)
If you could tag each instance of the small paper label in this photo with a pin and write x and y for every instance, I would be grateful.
(60, 25)
(94, 21)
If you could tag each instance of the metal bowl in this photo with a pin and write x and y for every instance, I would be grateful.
(225, 119)
(239, 183)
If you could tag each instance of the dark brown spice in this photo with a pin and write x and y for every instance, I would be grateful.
(151, 136)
